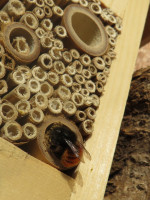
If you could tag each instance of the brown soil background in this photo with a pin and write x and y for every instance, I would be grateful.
(130, 173)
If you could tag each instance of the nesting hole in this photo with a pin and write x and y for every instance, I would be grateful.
(86, 29)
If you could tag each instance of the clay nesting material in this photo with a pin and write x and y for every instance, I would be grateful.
(85, 30)
(15, 30)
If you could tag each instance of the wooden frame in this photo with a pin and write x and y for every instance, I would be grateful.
(24, 177)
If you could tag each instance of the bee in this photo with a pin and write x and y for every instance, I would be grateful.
(64, 145)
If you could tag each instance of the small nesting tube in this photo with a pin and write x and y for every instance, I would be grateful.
(39, 100)
(85, 92)
(86, 73)
(53, 78)
(79, 116)
(39, 74)
(118, 27)
(11, 131)
(101, 77)
(111, 31)
(2, 58)
(99, 63)
(75, 54)
(46, 89)
(36, 116)
(33, 85)
(112, 20)
(70, 69)
(62, 3)
(8, 112)
(55, 53)
(90, 86)
(99, 88)
(29, 4)
(85, 60)
(39, 32)
(95, 101)
(106, 71)
(21, 92)
(30, 19)
(2, 70)
(40, 3)
(14, 8)
(86, 127)
(60, 31)
(15, 78)
(83, 3)
(67, 57)
(4, 18)
(78, 66)
(45, 61)
(104, 16)
(74, 1)
(25, 70)
(46, 24)
(79, 79)
(107, 60)
(111, 53)
(55, 106)
(95, 8)
(91, 113)
(76, 87)
(29, 131)
(39, 13)
(3, 87)
(9, 62)
(93, 70)
(112, 41)
(59, 67)
(2, 50)
(63, 93)
(20, 45)
(48, 11)
(97, 1)
(78, 99)
(88, 101)
(59, 44)
(69, 108)
(50, 3)
(23, 107)
(66, 80)
(57, 12)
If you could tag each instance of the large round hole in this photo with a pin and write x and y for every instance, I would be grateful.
(86, 29)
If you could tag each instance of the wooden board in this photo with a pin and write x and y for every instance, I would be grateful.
(24, 177)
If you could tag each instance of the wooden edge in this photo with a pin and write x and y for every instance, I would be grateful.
(24, 177)
(92, 177)
(117, 6)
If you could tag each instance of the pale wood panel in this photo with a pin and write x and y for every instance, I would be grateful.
(117, 6)
(23, 177)
(92, 178)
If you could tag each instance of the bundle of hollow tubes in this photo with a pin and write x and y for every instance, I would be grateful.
(55, 59)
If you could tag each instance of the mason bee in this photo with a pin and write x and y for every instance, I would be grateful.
(65, 146)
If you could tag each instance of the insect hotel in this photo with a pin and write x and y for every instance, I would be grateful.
(65, 73)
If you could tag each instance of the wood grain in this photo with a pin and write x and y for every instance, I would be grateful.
(23, 177)
(92, 176)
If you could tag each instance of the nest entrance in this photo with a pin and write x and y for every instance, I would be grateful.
(86, 29)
